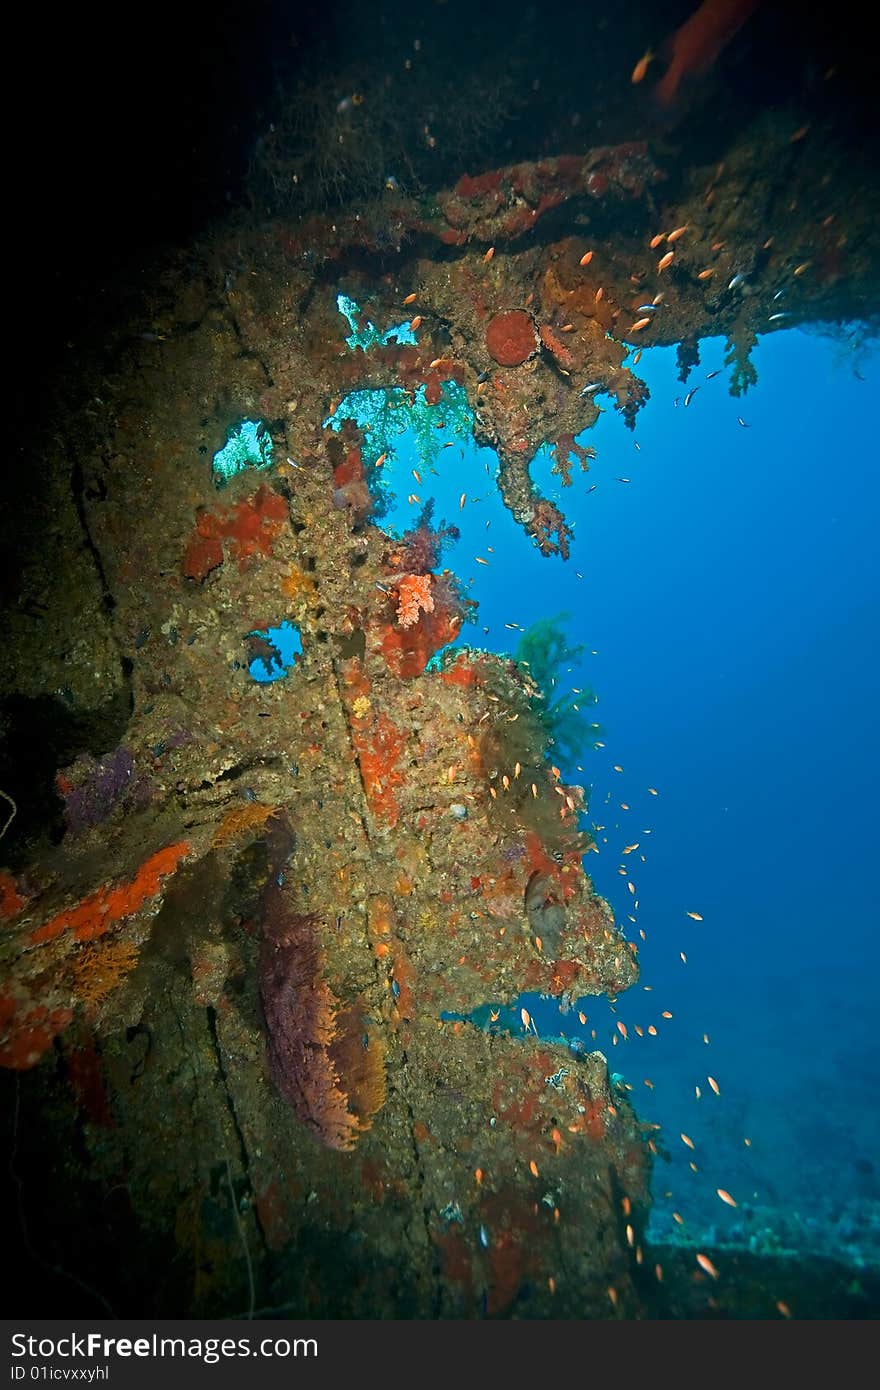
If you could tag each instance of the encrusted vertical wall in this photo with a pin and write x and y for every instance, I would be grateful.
(228, 987)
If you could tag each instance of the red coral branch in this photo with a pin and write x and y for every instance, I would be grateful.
(413, 598)
(97, 913)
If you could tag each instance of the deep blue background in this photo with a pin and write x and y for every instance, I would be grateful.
(730, 592)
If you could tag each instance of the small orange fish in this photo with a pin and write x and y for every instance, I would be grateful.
(438, 361)
(706, 1264)
(417, 476)
(533, 1168)
(656, 240)
(621, 1028)
(677, 1218)
(586, 258)
(641, 67)
(652, 1031)
(410, 299)
(713, 1083)
(569, 327)
(489, 254)
(638, 357)
(461, 501)
(653, 791)
(679, 231)
(784, 1309)
(480, 561)
(696, 916)
(526, 1018)
(686, 1139)
(416, 322)
(582, 1018)
(666, 260)
(705, 274)
(380, 460)
(599, 294)
(799, 269)
(725, 1197)
(639, 325)
(666, 1014)
(478, 1176)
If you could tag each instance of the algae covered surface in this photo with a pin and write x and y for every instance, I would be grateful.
(291, 850)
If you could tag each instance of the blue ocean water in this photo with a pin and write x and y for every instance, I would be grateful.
(283, 644)
(727, 597)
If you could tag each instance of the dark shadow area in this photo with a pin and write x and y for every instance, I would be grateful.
(37, 737)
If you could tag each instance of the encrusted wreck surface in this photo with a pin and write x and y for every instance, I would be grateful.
(232, 981)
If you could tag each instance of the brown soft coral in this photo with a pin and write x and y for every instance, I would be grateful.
(546, 522)
(565, 446)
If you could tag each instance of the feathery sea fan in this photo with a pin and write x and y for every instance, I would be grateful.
(315, 1049)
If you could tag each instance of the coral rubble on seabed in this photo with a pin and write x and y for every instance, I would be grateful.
(230, 988)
